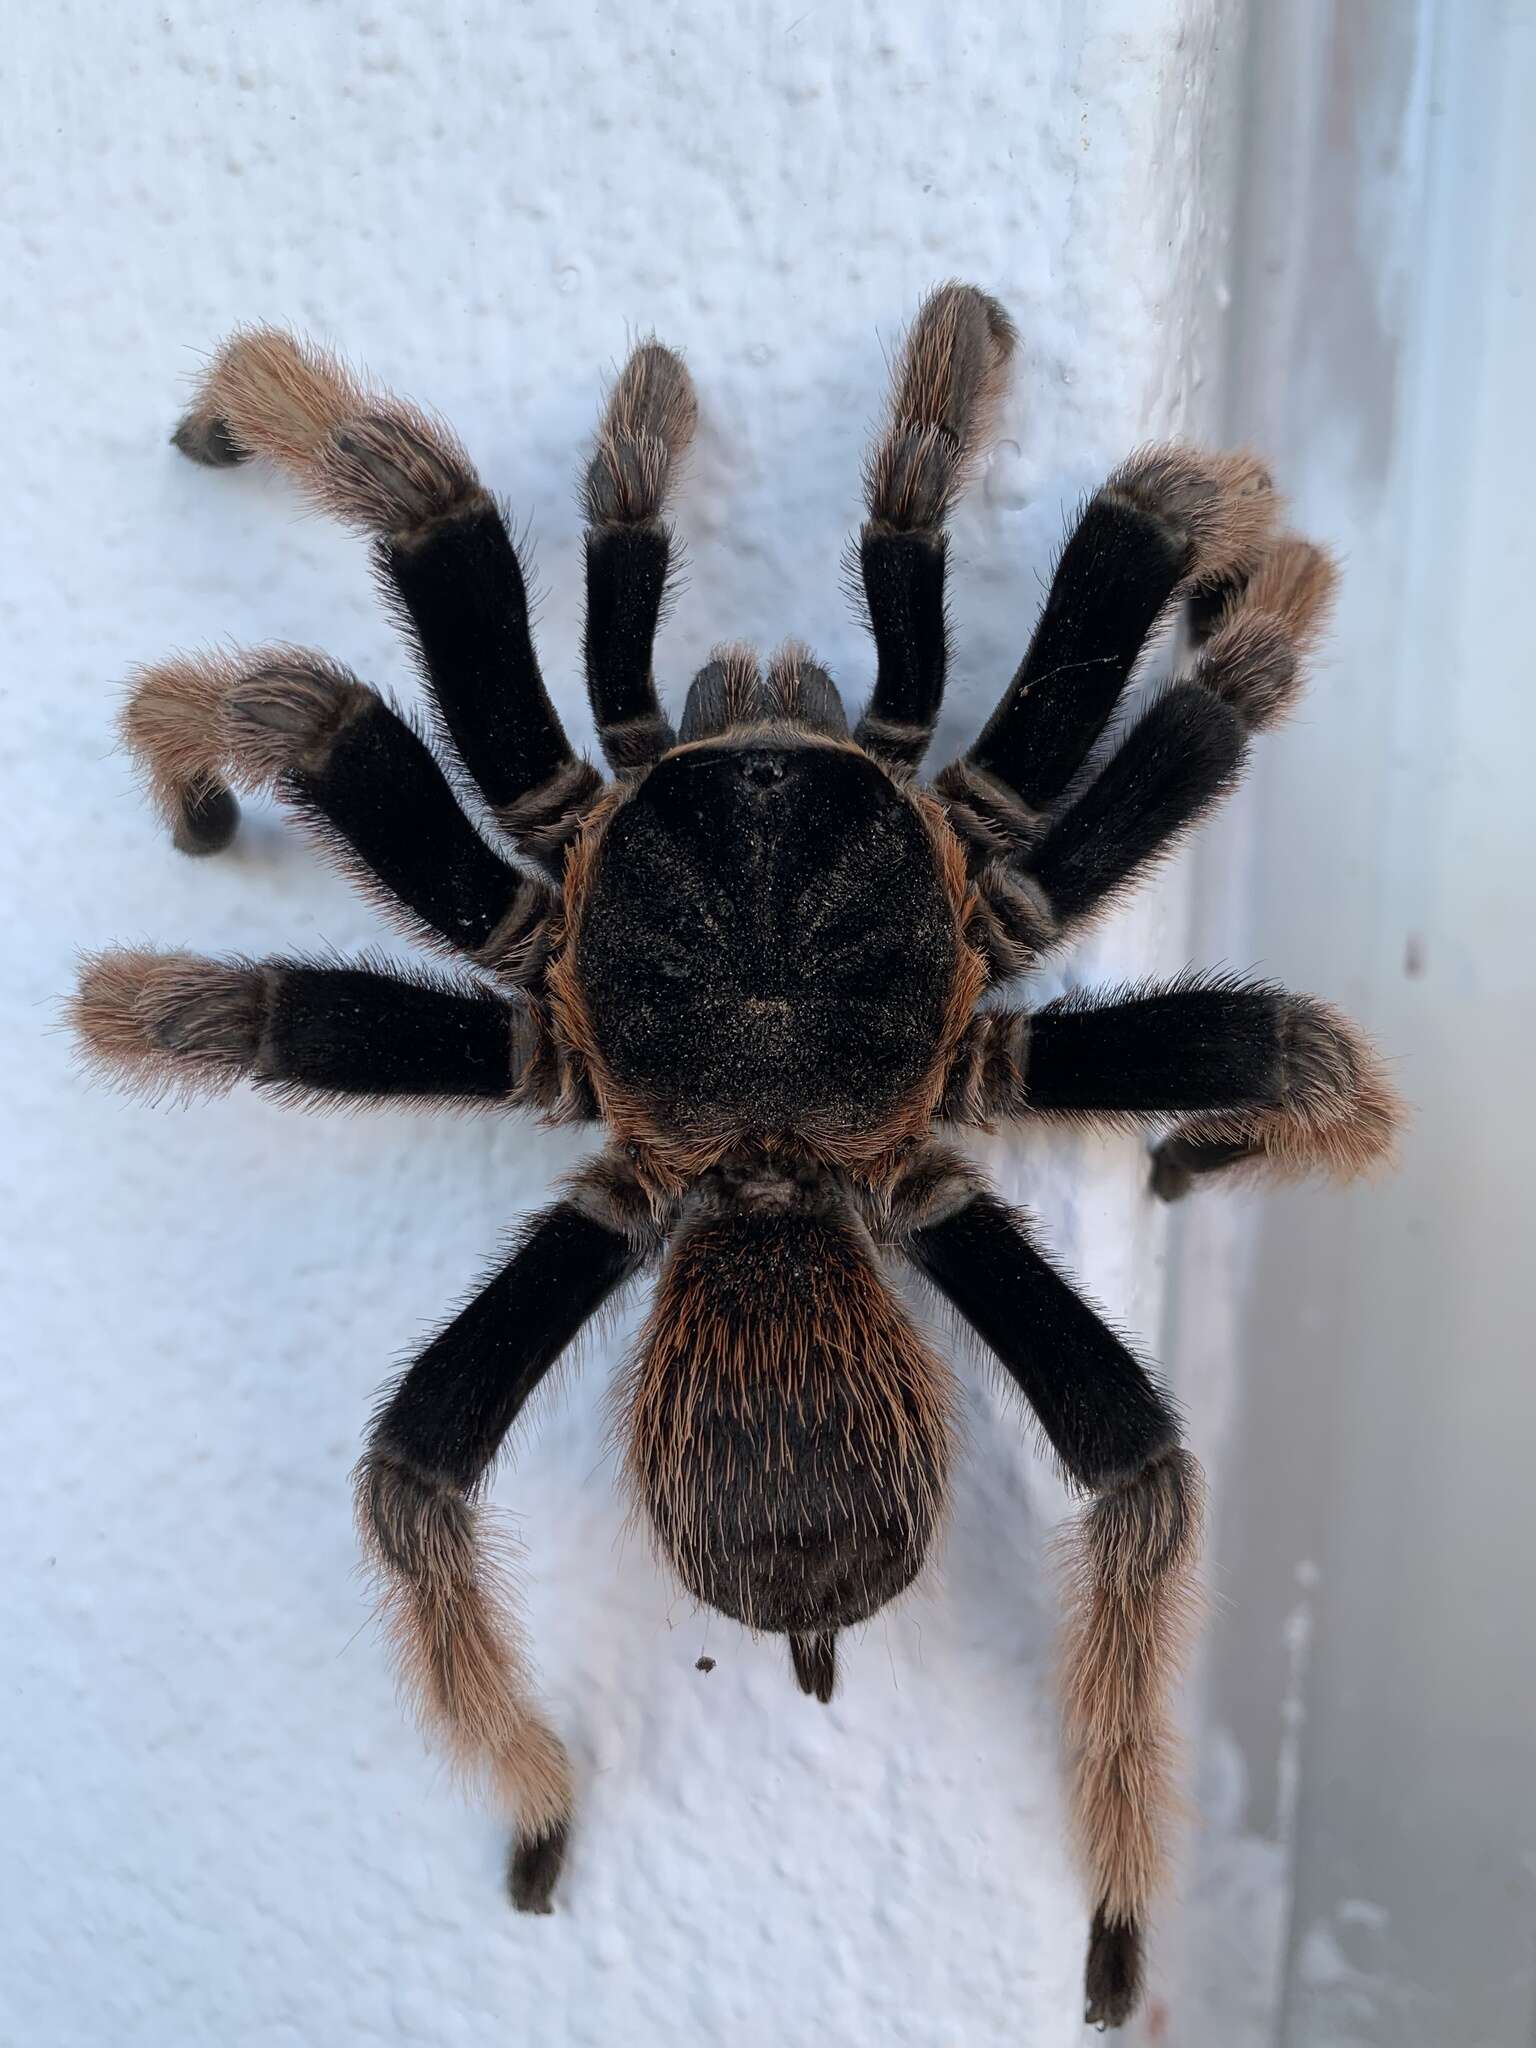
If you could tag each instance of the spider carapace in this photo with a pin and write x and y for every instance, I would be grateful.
(756, 957)
(768, 938)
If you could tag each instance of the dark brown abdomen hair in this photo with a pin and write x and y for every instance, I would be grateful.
(785, 1428)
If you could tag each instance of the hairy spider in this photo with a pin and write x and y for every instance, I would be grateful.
(757, 955)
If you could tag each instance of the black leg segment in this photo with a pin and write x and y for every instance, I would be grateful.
(903, 578)
(174, 1021)
(1116, 575)
(462, 590)
(289, 720)
(449, 1414)
(1178, 760)
(1178, 1162)
(626, 581)
(1104, 1415)
(206, 819)
(380, 789)
(356, 1032)
(1211, 1046)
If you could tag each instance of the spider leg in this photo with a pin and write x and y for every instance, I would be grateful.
(646, 426)
(1186, 752)
(312, 1033)
(285, 719)
(1236, 1072)
(1168, 523)
(428, 1459)
(947, 382)
(442, 550)
(1132, 1555)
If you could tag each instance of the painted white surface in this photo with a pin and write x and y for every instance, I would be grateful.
(218, 1826)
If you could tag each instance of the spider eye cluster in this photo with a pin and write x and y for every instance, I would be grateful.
(768, 935)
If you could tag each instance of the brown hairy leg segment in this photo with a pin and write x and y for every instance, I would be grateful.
(1132, 1602)
(368, 458)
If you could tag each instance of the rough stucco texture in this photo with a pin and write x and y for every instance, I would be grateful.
(219, 1828)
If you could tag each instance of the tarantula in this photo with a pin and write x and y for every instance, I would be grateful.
(758, 956)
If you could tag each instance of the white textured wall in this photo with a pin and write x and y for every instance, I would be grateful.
(218, 1827)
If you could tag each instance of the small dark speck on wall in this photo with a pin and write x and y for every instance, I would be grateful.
(705, 1664)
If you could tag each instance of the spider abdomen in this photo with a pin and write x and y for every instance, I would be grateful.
(786, 1430)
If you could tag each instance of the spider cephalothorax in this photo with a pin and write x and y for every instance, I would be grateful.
(765, 941)
(756, 956)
